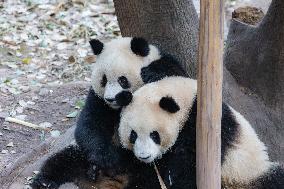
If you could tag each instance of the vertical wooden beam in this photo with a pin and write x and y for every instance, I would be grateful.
(209, 105)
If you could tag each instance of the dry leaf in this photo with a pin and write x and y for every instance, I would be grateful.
(55, 133)
(90, 59)
(10, 144)
(72, 59)
(26, 60)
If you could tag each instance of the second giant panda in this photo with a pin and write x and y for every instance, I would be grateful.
(159, 126)
(123, 65)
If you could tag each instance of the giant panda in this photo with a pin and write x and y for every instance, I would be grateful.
(123, 65)
(158, 126)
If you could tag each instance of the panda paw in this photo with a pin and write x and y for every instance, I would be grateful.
(43, 183)
(106, 160)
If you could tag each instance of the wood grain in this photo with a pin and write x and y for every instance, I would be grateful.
(209, 105)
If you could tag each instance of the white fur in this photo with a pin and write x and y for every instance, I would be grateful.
(111, 90)
(248, 158)
(145, 149)
(144, 115)
(117, 59)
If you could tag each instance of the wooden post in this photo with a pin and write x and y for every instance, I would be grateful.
(209, 97)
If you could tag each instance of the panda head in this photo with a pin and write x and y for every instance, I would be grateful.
(150, 124)
(116, 72)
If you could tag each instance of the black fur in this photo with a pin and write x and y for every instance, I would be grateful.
(229, 132)
(123, 98)
(139, 46)
(95, 129)
(166, 66)
(133, 136)
(155, 136)
(65, 166)
(274, 179)
(124, 83)
(169, 104)
(97, 46)
(104, 81)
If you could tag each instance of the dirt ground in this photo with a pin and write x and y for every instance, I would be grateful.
(45, 62)
(51, 107)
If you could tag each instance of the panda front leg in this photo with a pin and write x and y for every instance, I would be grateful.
(68, 165)
(94, 132)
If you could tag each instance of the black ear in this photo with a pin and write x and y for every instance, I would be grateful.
(97, 46)
(123, 98)
(169, 104)
(140, 46)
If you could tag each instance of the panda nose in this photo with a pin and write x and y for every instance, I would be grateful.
(110, 99)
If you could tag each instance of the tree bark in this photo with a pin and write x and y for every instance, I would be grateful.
(170, 24)
(254, 57)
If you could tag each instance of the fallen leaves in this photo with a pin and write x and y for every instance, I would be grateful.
(80, 104)
(4, 151)
(39, 38)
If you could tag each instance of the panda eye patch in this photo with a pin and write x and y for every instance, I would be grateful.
(133, 137)
(123, 81)
(104, 81)
(155, 136)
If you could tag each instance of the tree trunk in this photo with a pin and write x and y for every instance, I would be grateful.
(170, 24)
(254, 57)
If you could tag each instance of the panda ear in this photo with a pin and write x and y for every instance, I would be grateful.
(169, 104)
(97, 46)
(140, 46)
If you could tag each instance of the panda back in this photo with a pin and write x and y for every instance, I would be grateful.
(244, 157)
(166, 66)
